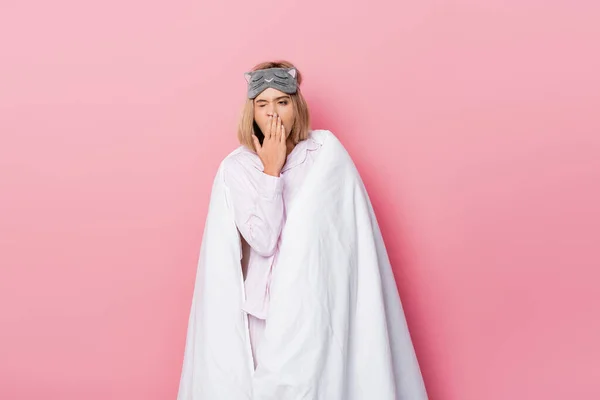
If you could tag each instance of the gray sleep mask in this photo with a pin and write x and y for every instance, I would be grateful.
(283, 79)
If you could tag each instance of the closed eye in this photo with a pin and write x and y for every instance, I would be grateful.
(284, 101)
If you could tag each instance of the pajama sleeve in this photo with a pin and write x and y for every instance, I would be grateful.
(257, 202)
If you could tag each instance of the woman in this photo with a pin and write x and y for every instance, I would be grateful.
(255, 177)
(295, 297)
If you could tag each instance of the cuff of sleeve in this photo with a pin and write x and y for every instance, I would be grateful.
(270, 186)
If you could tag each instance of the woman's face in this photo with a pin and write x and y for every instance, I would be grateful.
(272, 101)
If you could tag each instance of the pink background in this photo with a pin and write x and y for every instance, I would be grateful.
(475, 125)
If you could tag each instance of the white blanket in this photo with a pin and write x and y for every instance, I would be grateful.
(336, 328)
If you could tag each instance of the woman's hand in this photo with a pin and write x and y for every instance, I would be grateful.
(273, 151)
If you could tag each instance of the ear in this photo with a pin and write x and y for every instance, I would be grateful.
(248, 76)
(292, 72)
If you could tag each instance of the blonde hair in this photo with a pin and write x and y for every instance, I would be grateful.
(247, 126)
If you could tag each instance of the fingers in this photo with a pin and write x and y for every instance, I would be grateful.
(278, 128)
(267, 132)
(273, 128)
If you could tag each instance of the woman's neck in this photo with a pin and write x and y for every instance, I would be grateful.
(290, 145)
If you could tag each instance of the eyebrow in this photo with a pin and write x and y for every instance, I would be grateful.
(277, 98)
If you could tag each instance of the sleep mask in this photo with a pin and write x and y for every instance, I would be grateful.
(283, 79)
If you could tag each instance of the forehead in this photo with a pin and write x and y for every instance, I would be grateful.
(270, 94)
